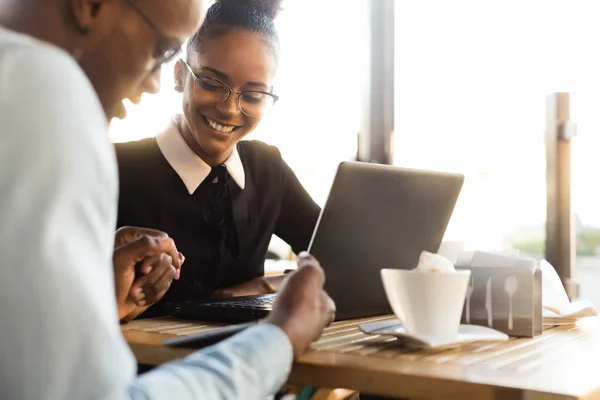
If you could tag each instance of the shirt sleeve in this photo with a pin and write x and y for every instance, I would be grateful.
(251, 365)
(299, 212)
(59, 330)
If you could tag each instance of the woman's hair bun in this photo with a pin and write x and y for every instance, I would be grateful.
(270, 8)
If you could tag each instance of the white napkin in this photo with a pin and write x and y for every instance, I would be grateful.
(431, 262)
(557, 309)
(569, 315)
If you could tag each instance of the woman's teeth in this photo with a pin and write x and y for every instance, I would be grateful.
(218, 127)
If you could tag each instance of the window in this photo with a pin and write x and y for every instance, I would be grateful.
(471, 85)
(320, 80)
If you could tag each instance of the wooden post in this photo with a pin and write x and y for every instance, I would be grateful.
(560, 224)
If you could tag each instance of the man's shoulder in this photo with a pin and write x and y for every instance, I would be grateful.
(33, 73)
(15, 46)
(49, 109)
(11, 40)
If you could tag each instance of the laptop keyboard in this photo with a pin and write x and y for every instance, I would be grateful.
(265, 300)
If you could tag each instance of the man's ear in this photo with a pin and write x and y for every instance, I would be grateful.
(179, 76)
(86, 12)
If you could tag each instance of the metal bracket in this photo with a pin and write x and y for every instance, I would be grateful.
(567, 130)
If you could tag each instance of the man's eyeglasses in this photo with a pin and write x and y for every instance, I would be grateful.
(162, 55)
(212, 91)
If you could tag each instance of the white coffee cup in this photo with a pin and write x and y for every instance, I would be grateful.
(429, 303)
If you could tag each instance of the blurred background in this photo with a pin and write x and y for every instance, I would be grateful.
(451, 86)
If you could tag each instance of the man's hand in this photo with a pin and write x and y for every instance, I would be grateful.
(151, 254)
(257, 286)
(303, 309)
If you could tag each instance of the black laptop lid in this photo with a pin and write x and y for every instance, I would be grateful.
(378, 216)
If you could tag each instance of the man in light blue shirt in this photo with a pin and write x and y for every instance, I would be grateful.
(65, 66)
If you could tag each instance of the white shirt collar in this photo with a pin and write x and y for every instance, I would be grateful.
(192, 169)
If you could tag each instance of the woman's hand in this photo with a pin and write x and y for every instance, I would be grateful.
(145, 261)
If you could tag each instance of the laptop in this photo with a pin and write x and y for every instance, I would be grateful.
(376, 216)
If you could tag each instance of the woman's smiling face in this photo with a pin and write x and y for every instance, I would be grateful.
(243, 61)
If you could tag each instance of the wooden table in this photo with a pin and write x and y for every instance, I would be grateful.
(562, 363)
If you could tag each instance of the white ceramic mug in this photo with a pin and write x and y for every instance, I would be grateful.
(428, 303)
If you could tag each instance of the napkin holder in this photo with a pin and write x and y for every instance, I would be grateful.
(491, 292)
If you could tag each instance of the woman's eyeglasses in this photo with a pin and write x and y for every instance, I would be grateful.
(212, 91)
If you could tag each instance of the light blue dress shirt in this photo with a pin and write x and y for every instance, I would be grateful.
(59, 332)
